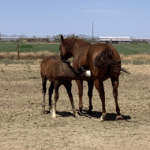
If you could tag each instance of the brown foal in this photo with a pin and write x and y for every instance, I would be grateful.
(58, 72)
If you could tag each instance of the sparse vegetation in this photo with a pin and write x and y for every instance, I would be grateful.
(27, 56)
(23, 127)
(40, 48)
(138, 42)
(45, 45)
(8, 61)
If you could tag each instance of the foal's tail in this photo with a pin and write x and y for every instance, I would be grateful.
(124, 71)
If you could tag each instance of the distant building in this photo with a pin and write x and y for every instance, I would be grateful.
(115, 39)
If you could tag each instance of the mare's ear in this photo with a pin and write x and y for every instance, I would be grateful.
(62, 38)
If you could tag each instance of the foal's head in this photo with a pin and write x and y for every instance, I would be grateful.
(66, 47)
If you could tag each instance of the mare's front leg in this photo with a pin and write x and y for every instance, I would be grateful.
(90, 91)
(80, 89)
(56, 86)
(100, 87)
(44, 79)
(51, 88)
(68, 86)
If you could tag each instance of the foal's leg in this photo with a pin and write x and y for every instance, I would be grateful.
(51, 88)
(56, 86)
(100, 87)
(90, 91)
(44, 79)
(80, 88)
(115, 84)
(68, 86)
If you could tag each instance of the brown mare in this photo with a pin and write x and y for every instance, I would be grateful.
(102, 60)
(58, 72)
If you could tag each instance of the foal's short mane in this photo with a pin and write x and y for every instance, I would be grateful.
(50, 57)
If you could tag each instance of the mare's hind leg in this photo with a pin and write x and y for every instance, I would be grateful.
(100, 87)
(90, 91)
(44, 79)
(56, 86)
(80, 88)
(68, 86)
(115, 84)
(51, 88)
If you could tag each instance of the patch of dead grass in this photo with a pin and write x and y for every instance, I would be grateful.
(26, 56)
(135, 57)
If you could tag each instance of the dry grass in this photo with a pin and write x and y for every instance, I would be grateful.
(140, 59)
(135, 57)
(27, 56)
(23, 127)
(42, 54)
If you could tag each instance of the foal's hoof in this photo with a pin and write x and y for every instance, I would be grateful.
(53, 113)
(76, 115)
(102, 118)
(80, 113)
(119, 117)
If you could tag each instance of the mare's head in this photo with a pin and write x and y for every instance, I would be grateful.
(66, 47)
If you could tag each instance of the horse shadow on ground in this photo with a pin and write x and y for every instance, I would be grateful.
(109, 116)
(62, 113)
(94, 114)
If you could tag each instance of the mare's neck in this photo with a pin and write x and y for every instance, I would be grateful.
(80, 47)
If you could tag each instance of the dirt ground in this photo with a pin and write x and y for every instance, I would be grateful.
(22, 126)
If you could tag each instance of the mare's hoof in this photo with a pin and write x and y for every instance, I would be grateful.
(102, 118)
(119, 117)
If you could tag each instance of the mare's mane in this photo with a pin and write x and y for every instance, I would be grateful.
(82, 42)
(71, 41)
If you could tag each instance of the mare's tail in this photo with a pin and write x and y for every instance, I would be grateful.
(106, 59)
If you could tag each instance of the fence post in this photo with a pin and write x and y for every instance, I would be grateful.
(111, 42)
(34, 39)
(18, 50)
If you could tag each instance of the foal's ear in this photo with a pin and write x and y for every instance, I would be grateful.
(62, 38)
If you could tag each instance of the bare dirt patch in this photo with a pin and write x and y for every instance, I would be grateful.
(23, 127)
